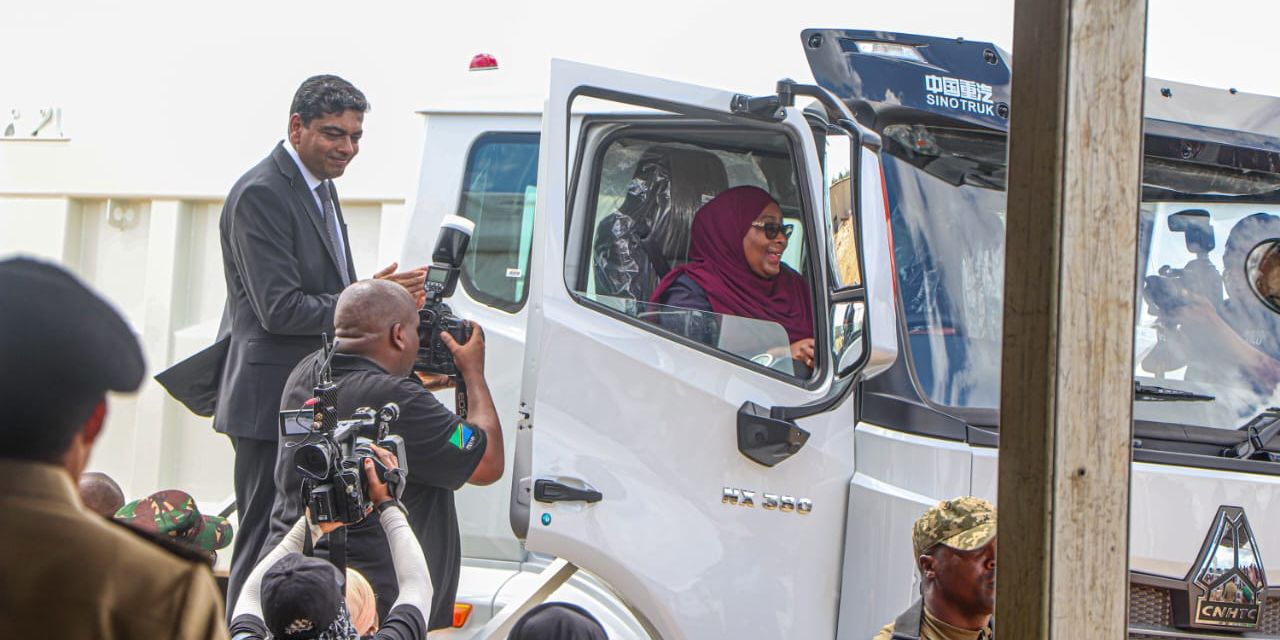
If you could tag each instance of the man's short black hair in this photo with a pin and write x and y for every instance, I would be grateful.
(62, 348)
(326, 95)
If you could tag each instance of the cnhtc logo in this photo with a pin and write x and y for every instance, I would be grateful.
(1227, 585)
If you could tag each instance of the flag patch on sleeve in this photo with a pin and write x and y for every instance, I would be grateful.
(463, 437)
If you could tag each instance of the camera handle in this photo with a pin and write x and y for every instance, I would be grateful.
(337, 548)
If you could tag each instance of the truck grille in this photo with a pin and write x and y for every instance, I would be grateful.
(1152, 608)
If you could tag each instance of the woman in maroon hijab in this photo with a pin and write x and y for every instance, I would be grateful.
(735, 268)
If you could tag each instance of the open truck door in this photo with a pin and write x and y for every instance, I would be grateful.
(683, 456)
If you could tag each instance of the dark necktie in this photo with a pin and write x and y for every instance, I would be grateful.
(330, 215)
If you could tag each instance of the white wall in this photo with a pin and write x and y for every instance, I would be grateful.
(157, 259)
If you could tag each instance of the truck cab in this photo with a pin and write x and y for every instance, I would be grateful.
(709, 486)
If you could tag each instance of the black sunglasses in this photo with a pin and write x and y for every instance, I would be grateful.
(771, 229)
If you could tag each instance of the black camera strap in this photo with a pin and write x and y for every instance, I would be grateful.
(308, 545)
(338, 551)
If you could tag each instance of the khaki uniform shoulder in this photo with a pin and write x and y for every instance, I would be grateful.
(886, 633)
(177, 549)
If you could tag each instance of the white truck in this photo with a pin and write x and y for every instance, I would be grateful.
(708, 489)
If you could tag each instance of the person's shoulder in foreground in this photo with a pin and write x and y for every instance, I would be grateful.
(100, 578)
(885, 633)
(64, 348)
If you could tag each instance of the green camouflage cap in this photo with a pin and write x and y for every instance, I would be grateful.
(173, 513)
(965, 523)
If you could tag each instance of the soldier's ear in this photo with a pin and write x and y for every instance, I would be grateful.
(926, 564)
(93, 426)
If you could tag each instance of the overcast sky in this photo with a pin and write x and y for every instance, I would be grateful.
(144, 82)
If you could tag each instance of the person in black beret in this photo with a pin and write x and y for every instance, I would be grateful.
(290, 596)
(62, 348)
(558, 621)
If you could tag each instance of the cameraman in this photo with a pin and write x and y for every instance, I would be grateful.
(377, 332)
(1240, 333)
(289, 595)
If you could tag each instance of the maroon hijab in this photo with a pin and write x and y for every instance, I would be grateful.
(717, 264)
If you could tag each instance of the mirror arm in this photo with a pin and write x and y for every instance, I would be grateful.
(760, 107)
(849, 294)
(837, 110)
(840, 388)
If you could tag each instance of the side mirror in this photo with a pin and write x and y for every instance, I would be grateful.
(846, 335)
(842, 203)
(848, 304)
(1262, 268)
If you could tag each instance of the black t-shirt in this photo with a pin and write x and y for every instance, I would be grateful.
(441, 451)
(403, 623)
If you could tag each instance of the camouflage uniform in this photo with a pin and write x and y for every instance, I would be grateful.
(965, 524)
(172, 513)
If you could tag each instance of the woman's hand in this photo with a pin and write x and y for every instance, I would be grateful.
(329, 527)
(802, 350)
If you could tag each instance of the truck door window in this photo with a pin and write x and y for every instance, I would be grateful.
(646, 191)
(498, 193)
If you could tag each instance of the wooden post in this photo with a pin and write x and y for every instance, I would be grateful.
(1075, 145)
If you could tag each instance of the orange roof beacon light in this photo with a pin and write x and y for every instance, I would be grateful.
(483, 62)
(461, 611)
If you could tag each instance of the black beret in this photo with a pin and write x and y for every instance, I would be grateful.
(300, 596)
(56, 332)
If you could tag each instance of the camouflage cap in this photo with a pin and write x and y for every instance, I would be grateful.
(964, 523)
(173, 513)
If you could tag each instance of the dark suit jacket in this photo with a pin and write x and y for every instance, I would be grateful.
(283, 281)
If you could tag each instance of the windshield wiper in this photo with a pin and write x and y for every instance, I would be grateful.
(1153, 393)
(1262, 430)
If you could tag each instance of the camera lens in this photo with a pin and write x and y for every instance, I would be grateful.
(390, 412)
(312, 461)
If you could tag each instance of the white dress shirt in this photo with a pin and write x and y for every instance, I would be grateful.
(312, 183)
(312, 180)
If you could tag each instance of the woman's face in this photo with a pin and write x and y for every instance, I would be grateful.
(764, 256)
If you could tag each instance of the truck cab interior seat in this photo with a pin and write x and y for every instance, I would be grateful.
(648, 234)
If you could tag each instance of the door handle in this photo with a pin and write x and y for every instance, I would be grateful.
(552, 491)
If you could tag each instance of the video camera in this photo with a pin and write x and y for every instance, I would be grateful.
(436, 316)
(1171, 288)
(331, 457)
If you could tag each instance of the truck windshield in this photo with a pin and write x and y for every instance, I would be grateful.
(1199, 327)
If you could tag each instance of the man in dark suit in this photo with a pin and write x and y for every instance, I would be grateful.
(286, 257)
